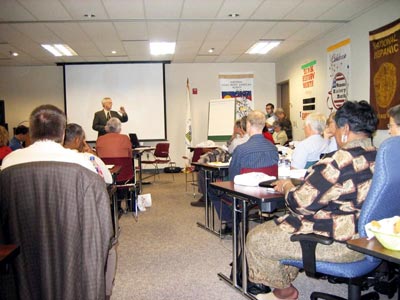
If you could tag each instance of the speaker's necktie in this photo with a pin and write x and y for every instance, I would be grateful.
(108, 116)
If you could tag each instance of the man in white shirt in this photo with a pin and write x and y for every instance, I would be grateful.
(309, 150)
(47, 130)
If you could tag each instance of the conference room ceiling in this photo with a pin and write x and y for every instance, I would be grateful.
(127, 27)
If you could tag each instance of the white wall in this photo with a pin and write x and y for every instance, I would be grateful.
(24, 88)
(289, 68)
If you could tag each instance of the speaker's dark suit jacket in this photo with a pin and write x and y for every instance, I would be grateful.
(100, 120)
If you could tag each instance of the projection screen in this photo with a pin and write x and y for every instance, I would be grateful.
(139, 87)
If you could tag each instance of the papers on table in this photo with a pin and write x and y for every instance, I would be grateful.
(252, 178)
(110, 166)
(219, 164)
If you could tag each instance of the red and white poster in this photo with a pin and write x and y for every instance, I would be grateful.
(338, 74)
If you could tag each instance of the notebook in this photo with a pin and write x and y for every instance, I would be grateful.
(134, 140)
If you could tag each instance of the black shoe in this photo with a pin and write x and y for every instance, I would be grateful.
(198, 203)
(226, 230)
(257, 288)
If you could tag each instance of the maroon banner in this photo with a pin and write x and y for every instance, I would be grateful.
(385, 69)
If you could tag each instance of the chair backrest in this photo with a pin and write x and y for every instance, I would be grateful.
(383, 199)
(127, 173)
(197, 152)
(162, 150)
(271, 170)
(59, 214)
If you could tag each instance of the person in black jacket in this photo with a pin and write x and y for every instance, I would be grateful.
(101, 117)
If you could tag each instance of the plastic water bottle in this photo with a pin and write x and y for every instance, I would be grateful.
(96, 166)
(283, 167)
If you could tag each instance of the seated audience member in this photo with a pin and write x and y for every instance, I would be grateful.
(47, 128)
(21, 136)
(239, 135)
(75, 140)
(285, 122)
(329, 133)
(394, 120)
(335, 189)
(113, 143)
(267, 134)
(309, 150)
(4, 148)
(279, 134)
(257, 152)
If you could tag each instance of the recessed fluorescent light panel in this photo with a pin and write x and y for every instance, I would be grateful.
(262, 47)
(162, 48)
(60, 50)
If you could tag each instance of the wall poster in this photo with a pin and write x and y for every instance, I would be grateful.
(338, 74)
(385, 70)
(238, 86)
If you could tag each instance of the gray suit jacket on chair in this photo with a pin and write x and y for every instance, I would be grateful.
(59, 214)
(100, 120)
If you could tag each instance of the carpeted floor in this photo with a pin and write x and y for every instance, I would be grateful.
(165, 255)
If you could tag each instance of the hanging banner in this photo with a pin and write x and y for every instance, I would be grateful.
(338, 74)
(238, 86)
(309, 74)
(385, 70)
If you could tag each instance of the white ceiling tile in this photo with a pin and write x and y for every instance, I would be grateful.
(38, 32)
(132, 30)
(201, 9)
(283, 30)
(223, 30)
(163, 9)
(192, 30)
(226, 58)
(274, 10)
(100, 32)
(347, 10)
(311, 9)
(163, 31)
(77, 9)
(11, 10)
(124, 9)
(136, 48)
(46, 9)
(218, 46)
(186, 48)
(244, 8)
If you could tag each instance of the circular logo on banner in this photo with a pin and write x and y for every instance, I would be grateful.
(339, 90)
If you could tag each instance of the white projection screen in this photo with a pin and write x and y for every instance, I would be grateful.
(139, 87)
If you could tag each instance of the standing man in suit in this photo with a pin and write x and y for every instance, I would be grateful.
(101, 117)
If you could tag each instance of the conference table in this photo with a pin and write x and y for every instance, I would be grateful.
(268, 201)
(374, 248)
(212, 173)
(137, 153)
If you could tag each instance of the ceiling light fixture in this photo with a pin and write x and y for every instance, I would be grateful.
(211, 50)
(89, 15)
(162, 48)
(263, 46)
(12, 53)
(60, 49)
(233, 15)
(113, 52)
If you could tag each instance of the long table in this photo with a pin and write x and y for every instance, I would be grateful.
(212, 173)
(374, 248)
(137, 153)
(242, 196)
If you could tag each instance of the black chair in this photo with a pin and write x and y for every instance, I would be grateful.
(382, 202)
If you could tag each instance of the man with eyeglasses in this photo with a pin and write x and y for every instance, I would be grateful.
(394, 120)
